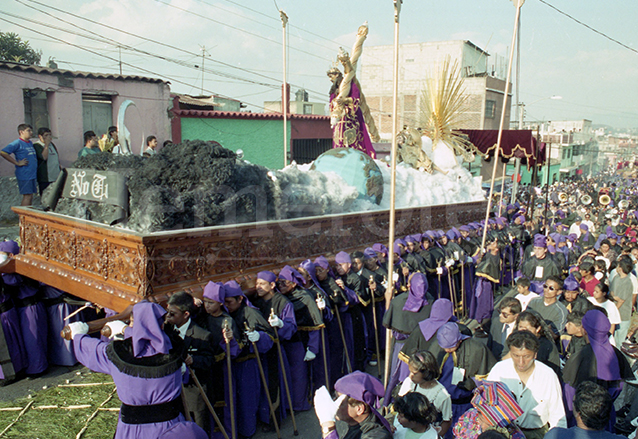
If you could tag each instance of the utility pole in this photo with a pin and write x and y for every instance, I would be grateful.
(284, 94)
(393, 177)
(203, 61)
(119, 49)
(517, 161)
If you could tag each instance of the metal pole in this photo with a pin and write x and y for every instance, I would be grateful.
(517, 163)
(284, 94)
(264, 382)
(393, 174)
(549, 168)
(203, 61)
(519, 4)
(500, 203)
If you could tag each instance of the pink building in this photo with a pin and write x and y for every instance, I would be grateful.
(71, 103)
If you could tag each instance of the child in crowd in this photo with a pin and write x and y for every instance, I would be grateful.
(524, 294)
(415, 417)
(424, 372)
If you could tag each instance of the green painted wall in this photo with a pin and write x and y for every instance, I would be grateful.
(554, 175)
(261, 139)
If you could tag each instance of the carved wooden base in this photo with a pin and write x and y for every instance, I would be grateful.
(114, 267)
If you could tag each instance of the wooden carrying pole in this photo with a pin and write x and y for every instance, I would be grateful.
(497, 152)
(231, 398)
(389, 293)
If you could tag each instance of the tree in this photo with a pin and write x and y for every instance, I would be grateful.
(15, 49)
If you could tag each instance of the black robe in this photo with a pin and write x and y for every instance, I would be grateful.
(404, 321)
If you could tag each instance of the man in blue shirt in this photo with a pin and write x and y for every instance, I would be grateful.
(25, 161)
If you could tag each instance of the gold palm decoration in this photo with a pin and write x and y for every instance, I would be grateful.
(443, 103)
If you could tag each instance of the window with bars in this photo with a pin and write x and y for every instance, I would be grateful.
(36, 109)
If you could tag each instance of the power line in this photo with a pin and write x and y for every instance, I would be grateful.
(130, 48)
(113, 59)
(588, 26)
(232, 27)
(117, 43)
(139, 37)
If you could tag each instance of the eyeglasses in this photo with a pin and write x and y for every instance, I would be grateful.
(505, 314)
(549, 287)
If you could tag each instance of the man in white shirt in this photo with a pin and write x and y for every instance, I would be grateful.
(575, 228)
(589, 222)
(534, 384)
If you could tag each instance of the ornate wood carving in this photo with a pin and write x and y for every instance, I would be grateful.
(131, 266)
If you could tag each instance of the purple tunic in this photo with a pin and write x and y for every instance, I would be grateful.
(33, 323)
(12, 339)
(131, 390)
(60, 350)
(482, 301)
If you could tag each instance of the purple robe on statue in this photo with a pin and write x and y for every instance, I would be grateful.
(351, 131)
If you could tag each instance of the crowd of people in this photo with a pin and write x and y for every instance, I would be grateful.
(37, 164)
(507, 328)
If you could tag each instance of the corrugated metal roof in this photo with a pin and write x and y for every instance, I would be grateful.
(244, 115)
(76, 74)
(202, 101)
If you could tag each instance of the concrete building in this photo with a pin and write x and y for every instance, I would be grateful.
(573, 149)
(301, 105)
(72, 102)
(212, 102)
(258, 135)
(484, 83)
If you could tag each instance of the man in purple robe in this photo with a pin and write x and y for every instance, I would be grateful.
(59, 305)
(348, 279)
(309, 272)
(599, 361)
(246, 380)
(340, 335)
(461, 359)
(488, 276)
(215, 320)
(540, 266)
(13, 356)
(303, 347)
(146, 368)
(402, 317)
(31, 313)
(356, 405)
(280, 313)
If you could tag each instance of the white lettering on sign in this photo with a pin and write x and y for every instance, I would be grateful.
(99, 190)
(79, 187)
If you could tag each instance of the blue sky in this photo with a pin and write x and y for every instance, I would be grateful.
(596, 77)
